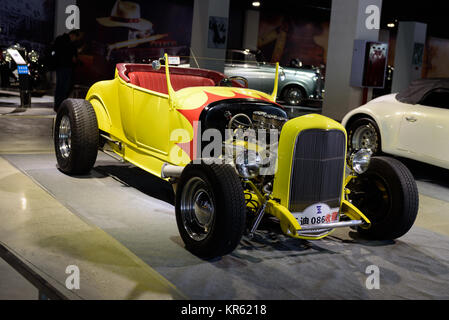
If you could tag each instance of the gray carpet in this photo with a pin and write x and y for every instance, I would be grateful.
(135, 208)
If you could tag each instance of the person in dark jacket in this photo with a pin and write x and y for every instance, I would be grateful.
(65, 58)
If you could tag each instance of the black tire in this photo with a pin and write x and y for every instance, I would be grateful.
(84, 137)
(227, 222)
(387, 194)
(352, 132)
(299, 96)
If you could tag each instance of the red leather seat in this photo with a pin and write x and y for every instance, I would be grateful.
(157, 82)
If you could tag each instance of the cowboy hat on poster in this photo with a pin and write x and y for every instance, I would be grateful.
(126, 14)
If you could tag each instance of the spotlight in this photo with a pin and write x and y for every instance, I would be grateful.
(256, 3)
(391, 25)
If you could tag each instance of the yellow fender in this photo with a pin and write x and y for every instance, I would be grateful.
(289, 224)
(352, 212)
(103, 118)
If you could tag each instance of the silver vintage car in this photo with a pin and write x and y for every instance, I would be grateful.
(298, 85)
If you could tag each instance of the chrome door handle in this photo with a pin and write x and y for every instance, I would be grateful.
(411, 119)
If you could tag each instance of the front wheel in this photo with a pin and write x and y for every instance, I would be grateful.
(364, 134)
(210, 209)
(387, 194)
(293, 96)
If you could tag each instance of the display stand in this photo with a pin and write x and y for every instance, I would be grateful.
(25, 87)
(24, 78)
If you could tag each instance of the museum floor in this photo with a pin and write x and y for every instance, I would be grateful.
(118, 226)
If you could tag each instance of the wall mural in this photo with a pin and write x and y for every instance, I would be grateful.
(435, 58)
(284, 38)
(132, 31)
(135, 31)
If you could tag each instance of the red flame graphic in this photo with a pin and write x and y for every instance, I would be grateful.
(193, 115)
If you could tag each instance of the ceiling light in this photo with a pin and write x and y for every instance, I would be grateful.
(256, 4)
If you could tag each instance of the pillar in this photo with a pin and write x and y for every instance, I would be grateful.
(251, 29)
(410, 43)
(209, 55)
(348, 23)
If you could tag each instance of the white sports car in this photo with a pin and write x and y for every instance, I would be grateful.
(412, 124)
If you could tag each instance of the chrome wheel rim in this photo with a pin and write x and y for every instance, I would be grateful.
(65, 137)
(294, 97)
(197, 209)
(365, 137)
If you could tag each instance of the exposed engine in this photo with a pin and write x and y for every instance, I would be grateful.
(250, 131)
(260, 121)
(267, 121)
(256, 158)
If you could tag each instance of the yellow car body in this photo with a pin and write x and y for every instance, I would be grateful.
(150, 129)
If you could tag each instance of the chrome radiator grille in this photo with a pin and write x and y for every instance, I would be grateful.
(318, 168)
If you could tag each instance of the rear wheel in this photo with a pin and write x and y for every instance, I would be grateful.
(387, 194)
(210, 209)
(76, 136)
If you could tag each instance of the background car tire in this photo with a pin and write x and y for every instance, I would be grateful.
(354, 130)
(393, 207)
(226, 195)
(293, 96)
(82, 140)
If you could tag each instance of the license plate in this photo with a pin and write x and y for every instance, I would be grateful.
(317, 214)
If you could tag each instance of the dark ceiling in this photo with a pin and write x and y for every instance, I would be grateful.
(433, 12)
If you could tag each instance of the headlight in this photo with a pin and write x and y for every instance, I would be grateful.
(247, 163)
(360, 160)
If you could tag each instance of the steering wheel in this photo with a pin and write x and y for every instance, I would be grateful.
(227, 82)
(237, 123)
(238, 78)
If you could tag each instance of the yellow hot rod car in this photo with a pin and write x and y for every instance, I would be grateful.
(160, 118)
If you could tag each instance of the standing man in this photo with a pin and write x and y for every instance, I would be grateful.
(65, 59)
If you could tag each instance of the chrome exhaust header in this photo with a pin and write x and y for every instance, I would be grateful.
(171, 171)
